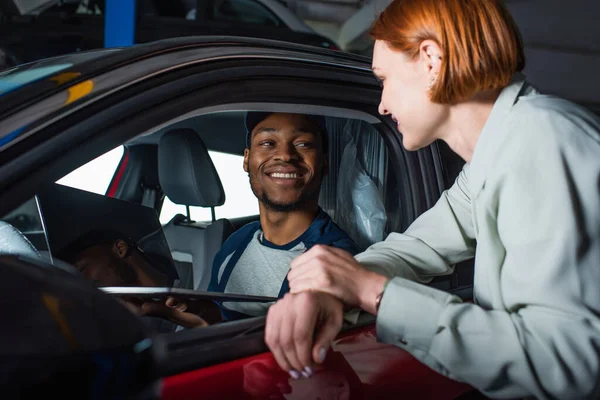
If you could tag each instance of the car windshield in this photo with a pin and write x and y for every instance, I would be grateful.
(14, 78)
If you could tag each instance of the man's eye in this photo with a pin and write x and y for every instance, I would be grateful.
(304, 145)
(267, 143)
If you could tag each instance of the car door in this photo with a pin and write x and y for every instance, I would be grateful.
(139, 92)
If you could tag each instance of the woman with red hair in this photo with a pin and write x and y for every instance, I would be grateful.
(526, 206)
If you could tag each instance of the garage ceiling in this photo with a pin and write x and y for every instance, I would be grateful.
(562, 38)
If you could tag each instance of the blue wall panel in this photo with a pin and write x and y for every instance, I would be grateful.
(119, 23)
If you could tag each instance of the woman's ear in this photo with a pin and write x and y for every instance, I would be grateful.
(121, 248)
(430, 55)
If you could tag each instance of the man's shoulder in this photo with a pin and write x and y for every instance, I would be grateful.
(333, 235)
(247, 229)
(237, 238)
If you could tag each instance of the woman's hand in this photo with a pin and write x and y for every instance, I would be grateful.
(335, 271)
(300, 328)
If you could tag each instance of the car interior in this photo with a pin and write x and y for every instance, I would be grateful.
(363, 193)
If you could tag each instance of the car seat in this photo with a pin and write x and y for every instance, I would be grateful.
(188, 177)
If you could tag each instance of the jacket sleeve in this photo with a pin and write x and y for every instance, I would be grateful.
(434, 242)
(545, 340)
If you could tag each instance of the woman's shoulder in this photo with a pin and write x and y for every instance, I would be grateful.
(535, 103)
(538, 117)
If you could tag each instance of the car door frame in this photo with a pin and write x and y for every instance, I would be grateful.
(69, 141)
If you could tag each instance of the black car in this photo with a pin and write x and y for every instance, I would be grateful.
(60, 116)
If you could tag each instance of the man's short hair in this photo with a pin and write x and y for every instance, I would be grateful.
(253, 118)
(92, 238)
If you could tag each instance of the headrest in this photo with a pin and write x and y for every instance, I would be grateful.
(12, 241)
(186, 173)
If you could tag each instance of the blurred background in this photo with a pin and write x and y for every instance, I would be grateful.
(562, 38)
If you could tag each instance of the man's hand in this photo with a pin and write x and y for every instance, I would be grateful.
(335, 271)
(171, 309)
(300, 328)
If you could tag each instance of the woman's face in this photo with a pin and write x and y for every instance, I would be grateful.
(405, 95)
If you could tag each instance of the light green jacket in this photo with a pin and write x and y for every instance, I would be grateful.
(528, 208)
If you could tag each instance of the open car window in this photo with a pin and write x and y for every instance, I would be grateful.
(76, 205)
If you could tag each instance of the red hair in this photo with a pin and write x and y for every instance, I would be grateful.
(481, 44)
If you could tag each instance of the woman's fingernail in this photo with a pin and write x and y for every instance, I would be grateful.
(305, 374)
(322, 354)
(308, 371)
(294, 374)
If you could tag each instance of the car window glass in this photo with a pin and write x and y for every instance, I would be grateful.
(239, 199)
(95, 176)
(248, 11)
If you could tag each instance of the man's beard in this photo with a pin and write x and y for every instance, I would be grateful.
(273, 205)
(280, 207)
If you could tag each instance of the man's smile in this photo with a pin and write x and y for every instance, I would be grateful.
(285, 174)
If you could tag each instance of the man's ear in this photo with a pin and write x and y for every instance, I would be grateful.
(121, 248)
(246, 153)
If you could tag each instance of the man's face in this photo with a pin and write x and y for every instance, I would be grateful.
(100, 264)
(285, 162)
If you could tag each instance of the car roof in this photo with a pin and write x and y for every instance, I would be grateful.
(94, 62)
(22, 108)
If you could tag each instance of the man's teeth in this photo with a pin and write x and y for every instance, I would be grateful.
(285, 176)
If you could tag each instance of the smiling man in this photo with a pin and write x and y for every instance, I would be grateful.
(286, 160)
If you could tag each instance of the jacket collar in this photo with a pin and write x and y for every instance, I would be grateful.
(493, 134)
